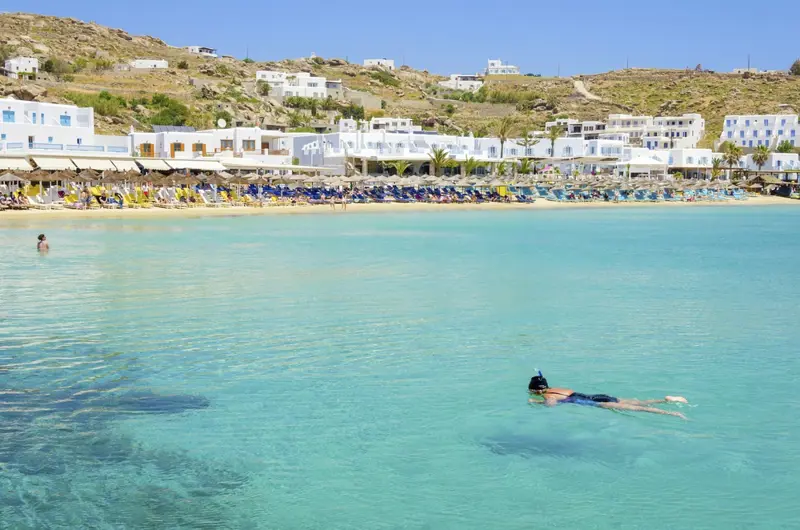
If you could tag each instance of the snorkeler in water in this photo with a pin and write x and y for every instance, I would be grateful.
(556, 396)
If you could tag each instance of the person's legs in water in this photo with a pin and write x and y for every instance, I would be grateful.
(639, 408)
(668, 399)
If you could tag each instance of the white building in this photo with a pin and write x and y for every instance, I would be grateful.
(674, 132)
(379, 124)
(663, 132)
(589, 130)
(203, 50)
(498, 67)
(751, 131)
(21, 67)
(777, 163)
(29, 127)
(300, 84)
(470, 83)
(235, 143)
(633, 126)
(382, 141)
(387, 64)
(149, 64)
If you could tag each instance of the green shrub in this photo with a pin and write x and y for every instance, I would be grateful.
(353, 111)
(104, 103)
(262, 87)
(385, 78)
(183, 65)
(248, 60)
(80, 64)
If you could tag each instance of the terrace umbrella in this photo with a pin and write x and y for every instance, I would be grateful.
(259, 181)
(463, 183)
(316, 179)
(89, 175)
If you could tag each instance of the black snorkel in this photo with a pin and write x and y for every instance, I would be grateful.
(538, 383)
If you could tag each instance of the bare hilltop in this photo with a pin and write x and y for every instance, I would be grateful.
(83, 61)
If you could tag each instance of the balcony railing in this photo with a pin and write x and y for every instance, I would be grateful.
(45, 147)
(14, 145)
(276, 152)
(88, 148)
(117, 149)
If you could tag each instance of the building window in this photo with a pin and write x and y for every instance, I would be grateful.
(177, 147)
(66, 121)
(741, 134)
(226, 145)
(690, 160)
(747, 123)
(3, 136)
(199, 148)
(80, 141)
(249, 145)
(768, 133)
(728, 123)
(751, 143)
(730, 134)
(49, 139)
(34, 118)
(8, 116)
(755, 134)
(780, 132)
(792, 134)
(766, 122)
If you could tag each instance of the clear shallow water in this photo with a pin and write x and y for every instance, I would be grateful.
(370, 371)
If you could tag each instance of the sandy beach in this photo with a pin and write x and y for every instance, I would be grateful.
(44, 216)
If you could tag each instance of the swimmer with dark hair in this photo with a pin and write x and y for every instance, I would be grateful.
(42, 245)
(556, 396)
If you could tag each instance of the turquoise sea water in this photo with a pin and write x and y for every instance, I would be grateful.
(370, 371)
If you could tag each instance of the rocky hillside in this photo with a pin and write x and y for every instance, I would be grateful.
(83, 59)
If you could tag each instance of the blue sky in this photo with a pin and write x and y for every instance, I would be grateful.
(444, 36)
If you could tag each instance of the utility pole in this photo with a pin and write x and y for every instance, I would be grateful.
(627, 63)
(559, 70)
(748, 62)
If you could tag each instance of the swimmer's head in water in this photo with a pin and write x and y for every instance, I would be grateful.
(538, 383)
(41, 237)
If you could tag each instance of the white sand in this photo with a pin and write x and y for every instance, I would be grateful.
(12, 217)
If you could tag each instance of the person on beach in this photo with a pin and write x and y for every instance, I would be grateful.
(42, 245)
(556, 396)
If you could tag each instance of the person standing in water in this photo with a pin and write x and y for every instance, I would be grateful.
(42, 245)
(556, 396)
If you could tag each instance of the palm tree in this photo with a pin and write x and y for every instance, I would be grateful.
(527, 141)
(716, 168)
(470, 165)
(439, 159)
(760, 156)
(400, 166)
(677, 175)
(554, 134)
(526, 166)
(502, 167)
(731, 154)
(503, 130)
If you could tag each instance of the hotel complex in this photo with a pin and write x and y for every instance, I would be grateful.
(56, 136)
(753, 131)
(300, 84)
